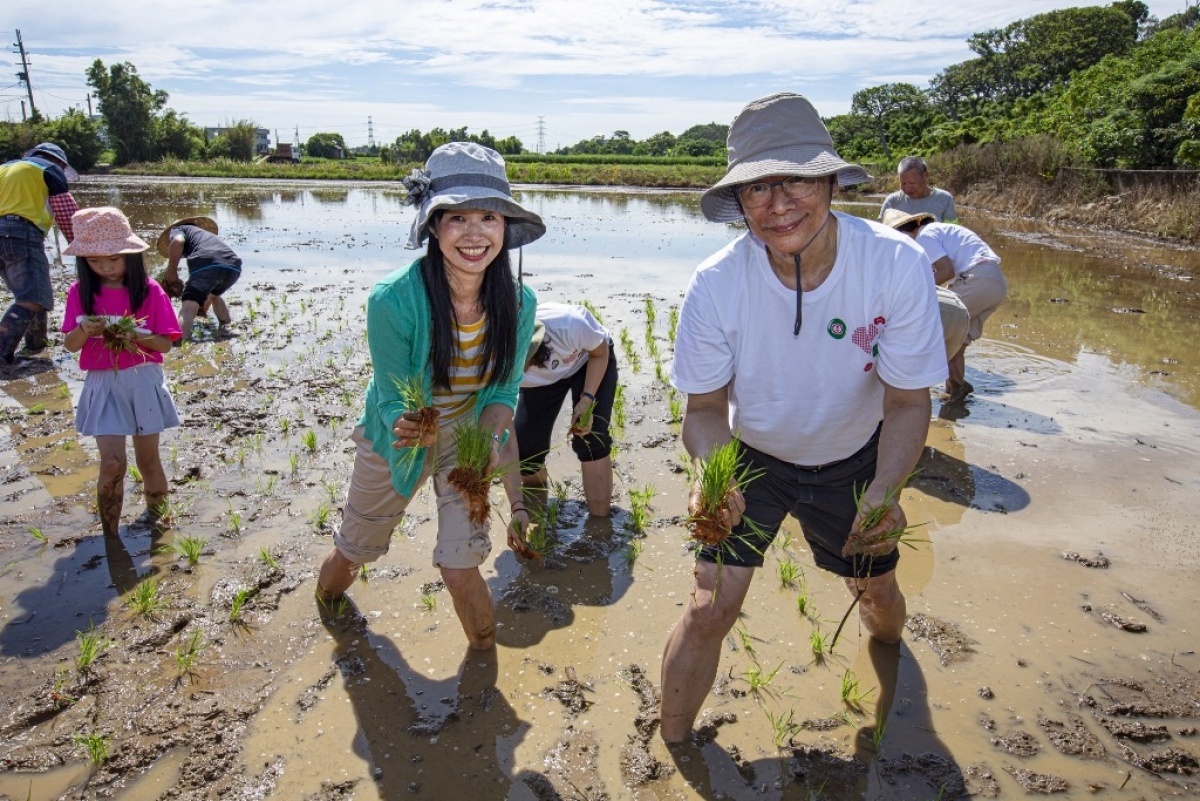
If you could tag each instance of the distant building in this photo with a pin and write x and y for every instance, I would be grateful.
(262, 138)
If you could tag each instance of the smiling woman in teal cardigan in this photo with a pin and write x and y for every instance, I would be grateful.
(457, 322)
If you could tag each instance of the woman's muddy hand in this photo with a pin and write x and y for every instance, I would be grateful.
(407, 429)
(516, 534)
(92, 327)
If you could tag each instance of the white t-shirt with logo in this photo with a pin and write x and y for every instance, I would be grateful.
(961, 245)
(818, 397)
(571, 331)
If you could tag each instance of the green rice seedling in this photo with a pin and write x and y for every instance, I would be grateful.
(92, 643)
(320, 517)
(632, 551)
(789, 573)
(190, 548)
(238, 602)
(37, 534)
(334, 607)
(631, 354)
(188, 651)
(617, 424)
(816, 642)
(804, 604)
(364, 574)
(63, 392)
(267, 558)
(873, 516)
(58, 691)
(587, 304)
(267, 485)
(675, 409)
(332, 490)
(639, 507)
(284, 425)
(257, 439)
(135, 474)
(470, 475)
(878, 731)
(747, 643)
(585, 420)
(428, 601)
(719, 474)
(651, 312)
(95, 746)
(759, 680)
(294, 463)
(672, 323)
(145, 599)
(37, 408)
(560, 493)
(419, 402)
(851, 692)
(67, 445)
(783, 727)
(309, 440)
(660, 371)
(235, 522)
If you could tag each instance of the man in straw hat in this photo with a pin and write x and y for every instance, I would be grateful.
(34, 194)
(813, 340)
(213, 267)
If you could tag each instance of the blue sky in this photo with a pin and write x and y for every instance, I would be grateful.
(569, 69)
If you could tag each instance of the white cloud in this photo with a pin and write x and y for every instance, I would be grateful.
(587, 67)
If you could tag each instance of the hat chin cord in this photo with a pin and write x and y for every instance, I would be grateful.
(799, 282)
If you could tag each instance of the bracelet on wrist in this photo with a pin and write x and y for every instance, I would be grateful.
(588, 395)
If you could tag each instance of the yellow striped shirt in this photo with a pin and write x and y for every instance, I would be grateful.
(465, 373)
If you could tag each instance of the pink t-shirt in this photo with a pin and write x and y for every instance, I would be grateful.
(157, 315)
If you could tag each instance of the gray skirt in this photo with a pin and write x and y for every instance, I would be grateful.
(134, 401)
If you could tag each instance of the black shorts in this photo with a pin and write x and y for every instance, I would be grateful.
(211, 280)
(538, 409)
(821, 498)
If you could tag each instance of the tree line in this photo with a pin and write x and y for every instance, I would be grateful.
(1111, 86)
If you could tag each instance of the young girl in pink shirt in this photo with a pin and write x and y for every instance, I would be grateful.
(125, 392)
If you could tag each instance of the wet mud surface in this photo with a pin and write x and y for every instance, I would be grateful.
(1057, 502)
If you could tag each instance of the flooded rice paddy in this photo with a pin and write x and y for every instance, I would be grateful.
(1051, 646)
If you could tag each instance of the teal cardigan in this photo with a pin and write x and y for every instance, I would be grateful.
(399, 324)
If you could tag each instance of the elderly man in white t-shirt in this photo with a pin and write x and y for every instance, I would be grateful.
(813, 339)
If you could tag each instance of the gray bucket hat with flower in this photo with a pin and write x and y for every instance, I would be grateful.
(466, 175)
(777, 135)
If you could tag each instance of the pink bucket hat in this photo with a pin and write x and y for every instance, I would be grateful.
(103, 231)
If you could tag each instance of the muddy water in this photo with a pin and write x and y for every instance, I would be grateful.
(1082, 439)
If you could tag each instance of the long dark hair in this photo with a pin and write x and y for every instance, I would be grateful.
(135, 281)
(499, 296)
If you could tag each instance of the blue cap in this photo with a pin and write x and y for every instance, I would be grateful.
(50, 150)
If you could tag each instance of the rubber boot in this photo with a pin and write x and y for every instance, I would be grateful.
(13, 326)
(38, 335)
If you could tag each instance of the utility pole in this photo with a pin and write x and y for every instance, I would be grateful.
(541, 145)
(24, 76)
(370, 135)
(89, 100)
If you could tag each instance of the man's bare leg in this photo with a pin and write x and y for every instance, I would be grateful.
(693, 649)
(882, 607)
(187, 318)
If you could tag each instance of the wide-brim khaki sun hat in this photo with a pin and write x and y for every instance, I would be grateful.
(164, 239)
(895, 218)
(777, 135)
(535, 342)
(103, 231)
(466, 175)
